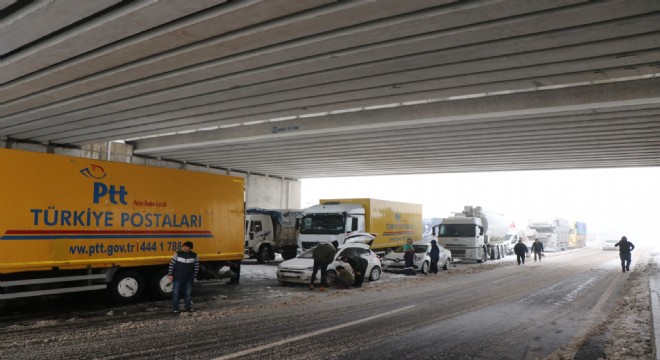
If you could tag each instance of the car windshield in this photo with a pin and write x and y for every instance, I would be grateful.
(322, 224)
(457, 230)
(419, 249)
(307, 254)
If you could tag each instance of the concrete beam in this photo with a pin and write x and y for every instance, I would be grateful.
(595, 97)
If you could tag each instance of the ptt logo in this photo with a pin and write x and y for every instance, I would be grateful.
(94, 171)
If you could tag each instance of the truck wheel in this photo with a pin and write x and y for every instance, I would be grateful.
(447, 264)
(126, 286)
(484, 255)
(264, 255)
(425, 268)
(160, 286)
(375, 274)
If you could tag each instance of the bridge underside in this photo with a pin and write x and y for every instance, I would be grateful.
(322, 88)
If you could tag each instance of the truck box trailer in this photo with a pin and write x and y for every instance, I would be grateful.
(577, 235)
(270, 231)
(333, 220)
(474, 234)
(75, 224)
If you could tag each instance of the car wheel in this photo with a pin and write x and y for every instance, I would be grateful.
(447, 264)
(330, 277)
(425, 268)
(375, 274)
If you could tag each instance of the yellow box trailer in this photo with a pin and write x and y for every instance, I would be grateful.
(75, 224)
(333, 220)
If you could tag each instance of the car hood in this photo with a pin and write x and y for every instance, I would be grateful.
(297, 263)
(393, 257)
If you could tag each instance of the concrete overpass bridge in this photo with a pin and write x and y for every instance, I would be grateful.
(320, 88)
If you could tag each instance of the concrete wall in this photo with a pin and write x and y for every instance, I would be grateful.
(260, 191)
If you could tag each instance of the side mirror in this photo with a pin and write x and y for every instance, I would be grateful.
(297, 224)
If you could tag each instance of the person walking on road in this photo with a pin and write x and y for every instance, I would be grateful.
(359, 266)
(324, 255)
(408, 258)
(435, 257)
(625, 247)
(537, 249)
(521, 251)
(182, 271)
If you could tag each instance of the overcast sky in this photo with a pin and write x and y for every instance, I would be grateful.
(613, 202)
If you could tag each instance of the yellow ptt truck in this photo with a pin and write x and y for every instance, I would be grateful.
(336, 220)
(72, 224)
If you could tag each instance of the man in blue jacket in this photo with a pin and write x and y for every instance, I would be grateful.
(183, 270)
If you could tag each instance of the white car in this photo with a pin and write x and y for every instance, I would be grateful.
(299, 270)
(609, 245)
(394, 260)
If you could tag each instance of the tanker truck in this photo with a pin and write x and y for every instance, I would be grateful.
(383, 225)
(76, 224)
(474, 234)
(271, 231)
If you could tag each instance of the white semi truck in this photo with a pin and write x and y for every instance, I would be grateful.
(382, 224)
(474, 234)
(271, 231)
(553, 233)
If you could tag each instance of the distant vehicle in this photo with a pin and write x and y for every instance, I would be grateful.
(394, 260)
(271, 231)
(511, 239)
(474, 234)
(577, 235)
(333, 220)
(609, 245)
(299, 270)
(553, 233)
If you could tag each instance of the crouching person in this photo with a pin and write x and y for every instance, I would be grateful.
(344, 278)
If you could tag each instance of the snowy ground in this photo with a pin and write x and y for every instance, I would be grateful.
(626, 335)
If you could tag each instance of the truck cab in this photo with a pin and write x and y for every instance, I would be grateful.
(258, 233)
(464, 236)
(270, 231)
(330, 222)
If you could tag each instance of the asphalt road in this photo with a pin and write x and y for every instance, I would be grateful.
(497, 310)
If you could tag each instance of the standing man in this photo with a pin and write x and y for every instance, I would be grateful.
(359, 265)
(625, 247)
(324, 255)
(409, 258)
(435, 257)
(537, 249)
(183, 270)
(521, 251)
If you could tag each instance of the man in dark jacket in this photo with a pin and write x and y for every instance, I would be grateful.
(183, 270)
(625, 247)
(359, 265)
(435, 257)
(324, 255)
(537, 249)
(521, 251)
